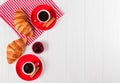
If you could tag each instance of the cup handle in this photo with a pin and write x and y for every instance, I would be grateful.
(36, 21)
(37, 64)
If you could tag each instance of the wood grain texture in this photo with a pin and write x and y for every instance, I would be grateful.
(83, 47)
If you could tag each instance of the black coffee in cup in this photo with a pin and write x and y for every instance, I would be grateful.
(28, 68)
(43, 15)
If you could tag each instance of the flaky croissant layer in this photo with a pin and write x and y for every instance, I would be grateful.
(21, 23)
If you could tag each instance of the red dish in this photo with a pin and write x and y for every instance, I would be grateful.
(39, 24)
(28, 58)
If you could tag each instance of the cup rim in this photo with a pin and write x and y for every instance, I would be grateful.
(45, 11)
(32, 71)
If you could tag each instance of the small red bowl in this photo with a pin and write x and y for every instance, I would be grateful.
(38, 47)
(34, 17)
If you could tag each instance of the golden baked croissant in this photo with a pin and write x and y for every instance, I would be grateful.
(15, 49)
(21, 23)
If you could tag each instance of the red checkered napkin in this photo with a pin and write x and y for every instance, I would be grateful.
(8, 9)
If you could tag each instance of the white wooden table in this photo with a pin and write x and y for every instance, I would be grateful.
(83, 47)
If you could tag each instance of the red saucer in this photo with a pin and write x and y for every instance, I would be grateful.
(27, 58)
(39, 24)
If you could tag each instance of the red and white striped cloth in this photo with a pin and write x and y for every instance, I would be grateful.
(8, 9)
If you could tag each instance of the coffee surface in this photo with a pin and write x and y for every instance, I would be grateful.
(28, 68)
(43, 16)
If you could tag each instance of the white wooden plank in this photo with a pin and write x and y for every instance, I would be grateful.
(94, 41)
(112, 41)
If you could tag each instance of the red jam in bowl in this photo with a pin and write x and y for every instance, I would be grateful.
(38, 47)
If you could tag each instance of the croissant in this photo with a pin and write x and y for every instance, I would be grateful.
(21, 23)
(15, 49)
